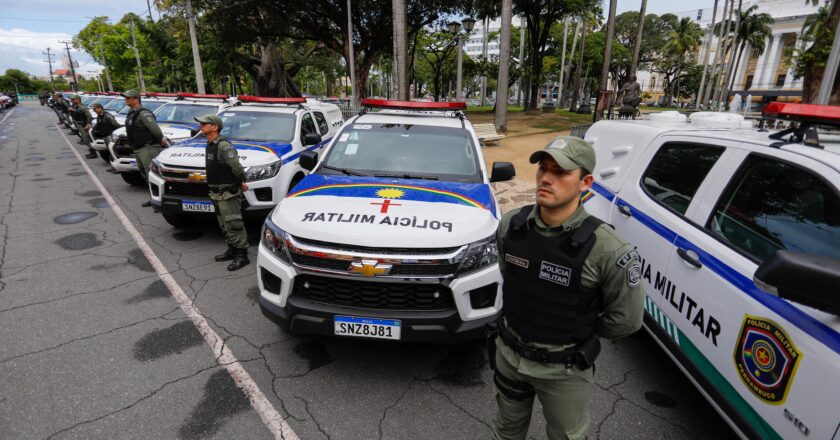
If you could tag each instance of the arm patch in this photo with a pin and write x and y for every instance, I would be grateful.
(628, 256)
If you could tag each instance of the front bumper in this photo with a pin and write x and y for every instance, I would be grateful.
(453, 325)
(124, 162)
(168, 198)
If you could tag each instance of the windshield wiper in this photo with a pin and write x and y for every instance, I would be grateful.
(407, 176)
(343, 170)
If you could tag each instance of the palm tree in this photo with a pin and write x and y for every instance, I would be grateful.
(683, 39)
(504, 64)
(400, 48)
(753, 30)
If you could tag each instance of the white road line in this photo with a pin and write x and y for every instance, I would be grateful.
(269, 415)
(8, 114)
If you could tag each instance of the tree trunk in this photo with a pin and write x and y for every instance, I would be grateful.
(504, 64)
(814, 74)
(578, 69)
(270, 76)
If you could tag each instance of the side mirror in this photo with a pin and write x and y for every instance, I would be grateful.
(308, 159)
(193, 132)
(311, 139)
(502, 171)
(806, 279)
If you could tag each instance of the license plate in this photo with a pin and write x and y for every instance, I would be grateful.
(197, 206)
(367, 327)
(133, 164)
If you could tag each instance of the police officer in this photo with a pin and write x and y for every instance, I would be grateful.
(60, 105)
(106, 123)
(225, 177)
(83, 119)
(568, 280)
(143, 134)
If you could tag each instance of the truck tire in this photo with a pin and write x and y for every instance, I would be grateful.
(176, 220)
(133, 178)
(105, 155)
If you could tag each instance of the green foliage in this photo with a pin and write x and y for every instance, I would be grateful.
(25, 83)
(817, 37)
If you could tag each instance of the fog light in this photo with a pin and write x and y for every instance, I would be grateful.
(483, 297)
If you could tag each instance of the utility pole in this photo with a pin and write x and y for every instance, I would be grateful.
(521, 60)
(354, 100)
(831, 65)
(49, 61)
(486, 35)
(723, 23)
(400, 48)
(504, 64)
(605, 67)
(137, 57)
(733, 47)
(105, 63)
(699, 100)
(199, 73)
(72, 67)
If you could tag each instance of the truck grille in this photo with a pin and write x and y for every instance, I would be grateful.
(408, 270)
(186, 189)
(372, 294)
(122, 149)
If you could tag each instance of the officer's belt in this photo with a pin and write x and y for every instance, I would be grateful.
(232, 188)
(572, 356)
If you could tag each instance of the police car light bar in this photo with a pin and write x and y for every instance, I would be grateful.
(413, 105)
(156, 94)
(268, 100)
(804, 113)
(202, 95)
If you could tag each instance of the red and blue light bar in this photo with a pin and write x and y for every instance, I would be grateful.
(806, 113)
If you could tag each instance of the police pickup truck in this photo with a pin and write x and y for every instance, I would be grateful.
(151, 101)
(738, 231)
(392, 235)
(177, 122)
(268, 133)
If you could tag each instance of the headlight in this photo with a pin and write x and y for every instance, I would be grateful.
(260, 172)
(274, 239)
(155, 167)
(479, 254)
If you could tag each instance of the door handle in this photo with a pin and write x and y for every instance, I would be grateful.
(690, 257)
(624, 209)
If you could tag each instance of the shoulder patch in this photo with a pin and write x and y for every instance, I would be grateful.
(627, 257)
(634, 274)
(230, 155)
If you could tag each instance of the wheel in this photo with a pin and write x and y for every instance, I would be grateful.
(133, 178)
(176, 220)
(294, 182)
(105, 155)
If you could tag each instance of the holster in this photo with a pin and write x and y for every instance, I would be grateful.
(587, 352)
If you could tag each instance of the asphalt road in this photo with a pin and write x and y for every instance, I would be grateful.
(95, 346)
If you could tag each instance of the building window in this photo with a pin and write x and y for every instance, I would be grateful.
(653, 83)
(755, 53)
(780, 80)
(699, 14)
(748, 83)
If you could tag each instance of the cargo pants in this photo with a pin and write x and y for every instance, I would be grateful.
(144, 156)
(564, 396)
(229, 214)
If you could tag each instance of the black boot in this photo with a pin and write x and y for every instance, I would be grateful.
(91, 155)
(228, 255)
(146, 204)
(240, 260)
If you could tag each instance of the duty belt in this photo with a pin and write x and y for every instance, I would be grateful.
(582, 356)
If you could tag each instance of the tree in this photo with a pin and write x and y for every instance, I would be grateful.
(754, 29)
(684, 39)
(437, 51)
(809, 61)
(540, 15)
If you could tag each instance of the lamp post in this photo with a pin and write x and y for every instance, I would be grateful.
(455, 29)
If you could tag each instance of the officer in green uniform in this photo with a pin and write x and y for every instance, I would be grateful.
(143, 134)
(61, 106)
(568, 280)
(83, 119)
(106, 123)
(226, 180)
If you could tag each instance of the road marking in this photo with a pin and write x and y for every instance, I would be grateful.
(8, 114)
(269, 415)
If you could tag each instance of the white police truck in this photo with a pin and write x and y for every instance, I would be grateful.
(177, 122)
(392, 235)
(151, 101)
(268, 133)
(738, 230)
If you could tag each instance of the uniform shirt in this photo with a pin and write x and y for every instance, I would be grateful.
(229, 156)
(146, 119)
(604, 269)
(107, 123)
(83, 111)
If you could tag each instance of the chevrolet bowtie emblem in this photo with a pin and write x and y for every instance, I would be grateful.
(370, 268)
(196, 177)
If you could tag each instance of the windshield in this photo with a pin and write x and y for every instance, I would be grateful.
(115, 104)
(407, 151)
(183, 113)
(258, 126)
(103, 101)
(87, 100)
(151, 105)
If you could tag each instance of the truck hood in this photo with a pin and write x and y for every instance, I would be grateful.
(190, 153)
(377, 212)
(171, 130)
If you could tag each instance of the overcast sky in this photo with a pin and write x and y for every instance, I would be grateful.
(28, 27)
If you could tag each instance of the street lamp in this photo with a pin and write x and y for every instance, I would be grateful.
(455, 29)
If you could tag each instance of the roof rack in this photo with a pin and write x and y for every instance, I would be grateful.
(807, 116)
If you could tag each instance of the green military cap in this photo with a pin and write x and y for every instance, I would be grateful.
(131, 94)
(75, 96)
(96, 105)
(569, 152)
(210, 119)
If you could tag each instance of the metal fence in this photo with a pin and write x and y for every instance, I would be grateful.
(348, 109)
(580, 130)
